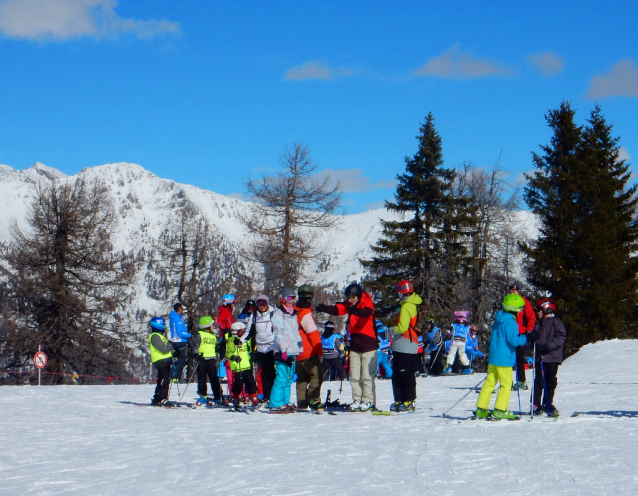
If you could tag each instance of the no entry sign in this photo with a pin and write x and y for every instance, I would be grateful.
(40, 360)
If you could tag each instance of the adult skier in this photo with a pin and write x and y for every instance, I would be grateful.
(179, 336)
(204, 344)
(504, 340)
(363, 344)
(405, 348)
(385, 341)
(309, 370)
(461, 330)
(549, 351)
(526, 321)
(260, 326)
(162, 358)
(286, 345)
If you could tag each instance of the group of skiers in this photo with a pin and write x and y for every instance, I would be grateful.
(267, 344)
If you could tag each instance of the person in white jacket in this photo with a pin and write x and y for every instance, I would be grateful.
(286, 346)
(260, 328)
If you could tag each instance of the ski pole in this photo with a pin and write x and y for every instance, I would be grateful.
(518, 389)
(545, 388)
(432, 362)
(531, 397)
(189, 380)
(463, 397)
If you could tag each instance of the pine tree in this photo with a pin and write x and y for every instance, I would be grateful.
(585, 253)
(426, 244)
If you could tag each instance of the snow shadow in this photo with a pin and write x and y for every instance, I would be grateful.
(613, 413)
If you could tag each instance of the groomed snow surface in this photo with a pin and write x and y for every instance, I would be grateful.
(91, 440)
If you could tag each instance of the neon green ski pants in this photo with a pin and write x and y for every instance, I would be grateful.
(496, 374)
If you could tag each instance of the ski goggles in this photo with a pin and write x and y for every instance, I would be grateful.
(288, 298)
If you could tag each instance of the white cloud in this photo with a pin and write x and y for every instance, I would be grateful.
(621, 80)
(239, 196)
(375, 205)
(623, 154)
(353, 180)
(65, 19)
(316, 70)
(547, 63)
(455, 64)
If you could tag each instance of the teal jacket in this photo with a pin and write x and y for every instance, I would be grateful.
(505, 338)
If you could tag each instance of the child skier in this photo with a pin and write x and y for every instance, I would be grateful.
(459, 337)
(472, 346)
(331, 344)
(505, 338)
(287, 345)
(162, 358)
(238, 354)
(205, 345)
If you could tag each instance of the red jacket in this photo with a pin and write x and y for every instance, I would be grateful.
(526, 319)
(363, 337)
(311, 341)
(225, 319)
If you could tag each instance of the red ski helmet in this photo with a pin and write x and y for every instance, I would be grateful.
(404, 287)
(546, 305)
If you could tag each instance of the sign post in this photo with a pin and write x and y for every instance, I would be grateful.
(40, 361)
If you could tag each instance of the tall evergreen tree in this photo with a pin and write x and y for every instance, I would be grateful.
(585, 253)
(426, 243)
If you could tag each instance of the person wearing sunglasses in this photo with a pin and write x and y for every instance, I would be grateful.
(363, 344)
(261, 322)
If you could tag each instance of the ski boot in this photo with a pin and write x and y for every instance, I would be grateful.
(236, 404)
(408, 406)
(481, 413)
(538, 411)
(504, 415)
(254, 400)
(467, 371)
(447, 370)
(396, 406)
(365, 406)
(553, 412)
(317, 406)
(519, 386)
(354, 406)
(202, 400)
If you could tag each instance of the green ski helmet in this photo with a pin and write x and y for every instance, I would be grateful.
(513, 303)
(206, 321)
(305, 291)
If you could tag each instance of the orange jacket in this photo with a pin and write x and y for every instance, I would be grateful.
(311, 341)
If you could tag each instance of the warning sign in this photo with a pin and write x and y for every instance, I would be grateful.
(40, 360)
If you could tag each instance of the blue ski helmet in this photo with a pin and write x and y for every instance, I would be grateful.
(228, 298)
(158, 323)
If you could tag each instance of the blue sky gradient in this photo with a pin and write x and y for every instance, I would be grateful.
(206, 93)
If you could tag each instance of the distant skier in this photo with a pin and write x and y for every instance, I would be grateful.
(286, 345)
(383, 354)
(472, 346)
(549, 350)
(179, 336)
(504, 340)
(162, 358)
(433, 339)
(204, 344)
(457, 346)
(331, 344)
(405, 347)
(224, 320)
(308, 366)
(238, 354)
(260, 326)
(363, 344)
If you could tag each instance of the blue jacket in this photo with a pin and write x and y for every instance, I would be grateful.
(177, 329)
(470, 344)
(461, 330)
(505, 338)
(384, 340)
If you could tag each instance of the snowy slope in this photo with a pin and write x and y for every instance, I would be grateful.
(91, 440)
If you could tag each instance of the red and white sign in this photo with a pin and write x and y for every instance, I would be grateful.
(40, 360)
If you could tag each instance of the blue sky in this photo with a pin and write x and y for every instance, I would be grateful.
(208, 92)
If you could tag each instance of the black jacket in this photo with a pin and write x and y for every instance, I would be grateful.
(550, 343)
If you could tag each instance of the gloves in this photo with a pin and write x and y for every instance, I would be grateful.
(236, 358)
(533, 336)
(238, 342)
(352, 310)
(284, 356)
(321, 308)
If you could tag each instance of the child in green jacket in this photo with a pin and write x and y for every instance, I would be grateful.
(238, 349)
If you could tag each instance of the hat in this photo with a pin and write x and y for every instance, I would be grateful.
(262, 297)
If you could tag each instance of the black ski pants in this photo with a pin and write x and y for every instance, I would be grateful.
(404, 369)
(266, 371)
(241, 379)
(520, 363)
(333, 364)
(207, 369)
(180, 359)
(163, 379)
(551, 370)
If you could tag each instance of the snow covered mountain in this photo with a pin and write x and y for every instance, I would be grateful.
(145, 202)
